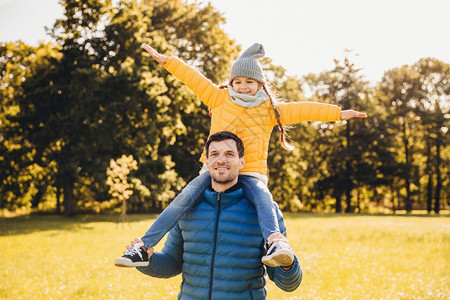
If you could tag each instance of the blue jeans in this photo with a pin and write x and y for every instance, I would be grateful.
(255, 191)
(259, 195)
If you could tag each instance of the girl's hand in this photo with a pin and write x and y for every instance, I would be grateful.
(350, 113)
(158, 57)
(277, 237)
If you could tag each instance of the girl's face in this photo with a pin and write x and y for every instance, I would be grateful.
(245, 85)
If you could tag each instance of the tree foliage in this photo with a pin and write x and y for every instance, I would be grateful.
(70, 107)
(101, 97)
(120, 185)
(417, 99)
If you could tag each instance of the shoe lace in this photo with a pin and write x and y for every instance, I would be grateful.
(278, 246)
(133, 251)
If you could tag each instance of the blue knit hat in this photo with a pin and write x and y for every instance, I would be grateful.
(248, 65)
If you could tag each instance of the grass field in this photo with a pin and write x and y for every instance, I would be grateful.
(342, 257)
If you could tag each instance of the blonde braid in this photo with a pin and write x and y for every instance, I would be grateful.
(284, 143)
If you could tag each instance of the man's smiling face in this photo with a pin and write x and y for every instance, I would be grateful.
(224, 163)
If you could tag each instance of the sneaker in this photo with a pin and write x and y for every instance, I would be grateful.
(134, 257)
(278, 255)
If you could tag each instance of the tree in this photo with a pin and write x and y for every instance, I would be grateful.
(415, 96)
(22, 178)
(398, 101)
(101, 96)
(120, 186)
(344, 147)
(432, 96)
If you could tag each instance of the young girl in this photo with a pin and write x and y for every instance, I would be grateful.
(246, 108)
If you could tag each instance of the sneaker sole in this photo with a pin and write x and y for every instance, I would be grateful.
(281, 258)
(126, 263)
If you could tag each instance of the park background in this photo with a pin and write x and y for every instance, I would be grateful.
(91, 126)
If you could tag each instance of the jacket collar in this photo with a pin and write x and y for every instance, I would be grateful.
(229, 197)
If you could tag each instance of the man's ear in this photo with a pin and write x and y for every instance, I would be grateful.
(242, 162)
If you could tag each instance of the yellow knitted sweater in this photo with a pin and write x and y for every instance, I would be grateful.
(253, 125)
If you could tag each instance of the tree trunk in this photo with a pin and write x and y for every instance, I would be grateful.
(123, 214)
(58, 200)
(69, 201)
(394, 206)
(376, 196)
(348, 201)
(358, 204)
(347, 179)
(430, 178)
(437, 193)
(429, 193)
(339, 204)
(37, 198)
(408, 201)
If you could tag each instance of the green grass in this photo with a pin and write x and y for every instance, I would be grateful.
(342, 257)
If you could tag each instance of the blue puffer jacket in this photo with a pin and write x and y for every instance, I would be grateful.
(218, 247)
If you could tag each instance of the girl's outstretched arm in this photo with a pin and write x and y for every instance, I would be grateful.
(208, 93)
(155, 54)
(350, 113)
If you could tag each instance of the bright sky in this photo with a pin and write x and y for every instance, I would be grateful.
(304, 36)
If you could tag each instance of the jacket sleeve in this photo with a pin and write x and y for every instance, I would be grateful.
(289, 280)
(168, 262)
(296, 112)
(201, 86)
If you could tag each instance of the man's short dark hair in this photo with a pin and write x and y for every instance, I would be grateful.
(225, 135)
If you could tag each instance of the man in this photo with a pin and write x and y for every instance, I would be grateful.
(217, 246)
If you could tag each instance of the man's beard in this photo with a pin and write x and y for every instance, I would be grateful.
(222, 181)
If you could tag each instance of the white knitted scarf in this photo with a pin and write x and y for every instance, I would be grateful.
(247, 100)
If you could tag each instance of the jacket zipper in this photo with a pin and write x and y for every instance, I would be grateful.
(214, 249)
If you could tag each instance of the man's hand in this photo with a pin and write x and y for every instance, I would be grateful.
(350, 113)
(278, 237)
(158, 57)
(136, 241)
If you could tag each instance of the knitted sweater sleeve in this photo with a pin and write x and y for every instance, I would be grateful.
(201, 86)
(295, 112)
(168, 262)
